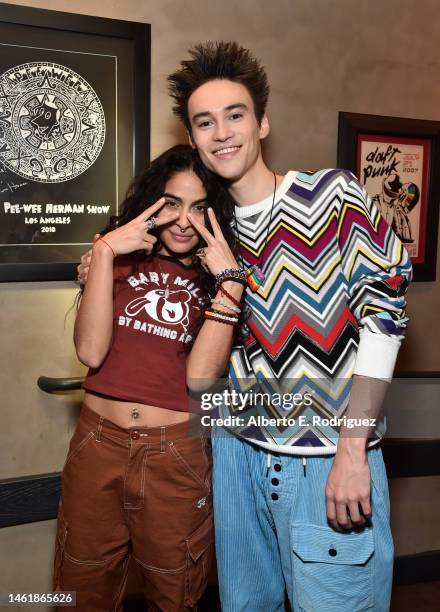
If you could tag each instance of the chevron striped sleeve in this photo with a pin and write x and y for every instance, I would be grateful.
(378, 270)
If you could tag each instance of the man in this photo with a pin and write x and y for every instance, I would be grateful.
(301, 506)
(328, 266)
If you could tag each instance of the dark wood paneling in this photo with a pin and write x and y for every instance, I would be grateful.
(29, 499)
(423, 567)
(411, 458)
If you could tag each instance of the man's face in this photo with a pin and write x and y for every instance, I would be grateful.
(224, 128)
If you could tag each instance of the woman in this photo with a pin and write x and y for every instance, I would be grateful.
(136, 482)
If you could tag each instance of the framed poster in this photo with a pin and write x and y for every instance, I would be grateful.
(74, 128)
(397, 161)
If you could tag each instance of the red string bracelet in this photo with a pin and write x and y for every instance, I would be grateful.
(230, 297)
(105, 242)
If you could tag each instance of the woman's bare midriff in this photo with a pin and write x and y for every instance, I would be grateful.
(121, 413)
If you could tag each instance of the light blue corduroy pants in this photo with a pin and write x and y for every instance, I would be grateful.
(272, 535)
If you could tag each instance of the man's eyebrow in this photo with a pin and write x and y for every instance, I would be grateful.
(235, 106)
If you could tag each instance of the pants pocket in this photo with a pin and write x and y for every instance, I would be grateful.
(332, 569)
(77, 443)
(199, 558)
(192, 457)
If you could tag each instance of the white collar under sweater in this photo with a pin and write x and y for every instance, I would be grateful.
(242, 212)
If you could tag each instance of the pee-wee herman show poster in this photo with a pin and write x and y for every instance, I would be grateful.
(58, 152)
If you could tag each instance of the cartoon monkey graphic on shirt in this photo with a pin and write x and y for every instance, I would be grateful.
(163, 305)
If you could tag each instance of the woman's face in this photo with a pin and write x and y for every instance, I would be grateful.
(184, 193)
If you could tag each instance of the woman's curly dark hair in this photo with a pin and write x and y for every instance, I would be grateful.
(149, 186)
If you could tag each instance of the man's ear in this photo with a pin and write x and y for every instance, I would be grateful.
(264, 127)
(190, 140)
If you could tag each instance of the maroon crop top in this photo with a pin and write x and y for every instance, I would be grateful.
(156, 306)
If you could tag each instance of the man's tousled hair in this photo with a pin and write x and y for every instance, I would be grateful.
(218, 60)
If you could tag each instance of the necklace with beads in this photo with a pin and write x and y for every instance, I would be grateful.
(254, 274)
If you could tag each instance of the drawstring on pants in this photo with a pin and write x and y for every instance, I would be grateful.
(268, 463)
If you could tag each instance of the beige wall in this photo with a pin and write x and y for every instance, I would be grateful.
(323, 56)
(36, 332)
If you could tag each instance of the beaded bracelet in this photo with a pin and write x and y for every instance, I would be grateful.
(223, 313)
(212, 316)
(226, 305)
(238, 273)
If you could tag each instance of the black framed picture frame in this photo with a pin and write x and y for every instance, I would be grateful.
(398, 162)
(74, 129)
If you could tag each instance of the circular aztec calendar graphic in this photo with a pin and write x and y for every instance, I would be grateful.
(52, 124)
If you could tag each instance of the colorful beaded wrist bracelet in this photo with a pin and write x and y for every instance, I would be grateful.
(213, 316)
(224, 314)
(226, 305)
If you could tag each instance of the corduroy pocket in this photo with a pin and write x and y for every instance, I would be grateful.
(331, 568)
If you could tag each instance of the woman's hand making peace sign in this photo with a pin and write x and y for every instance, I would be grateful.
(216, 256)
(134, 236)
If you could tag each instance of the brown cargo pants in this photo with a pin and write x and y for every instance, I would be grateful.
(144, 493)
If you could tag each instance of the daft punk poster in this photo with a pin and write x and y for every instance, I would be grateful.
(57, 151)
(394, 172)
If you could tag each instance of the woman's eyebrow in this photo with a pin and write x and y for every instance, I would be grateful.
(171, 195)
(174, 197)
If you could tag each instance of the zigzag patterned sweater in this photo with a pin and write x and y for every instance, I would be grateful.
(331, 305)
